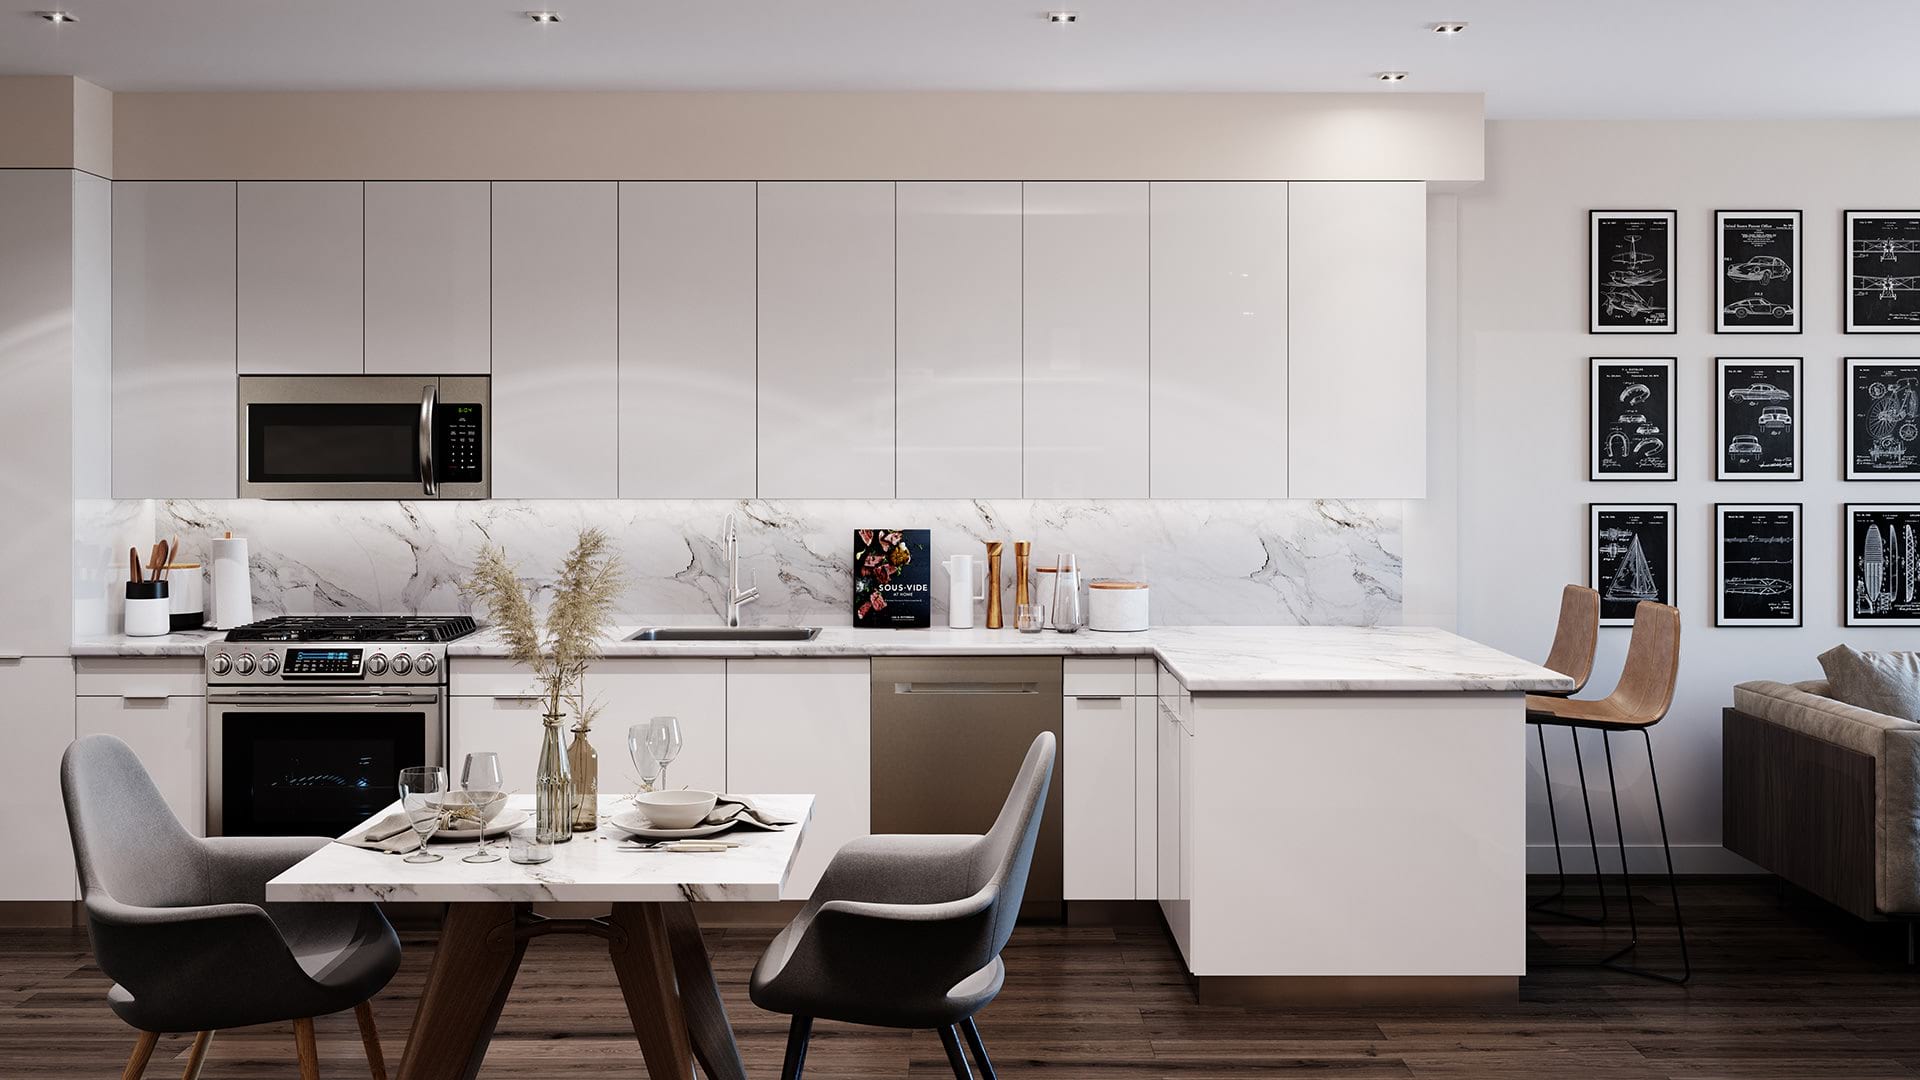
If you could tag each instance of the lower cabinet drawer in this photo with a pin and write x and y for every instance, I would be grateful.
(170, 736)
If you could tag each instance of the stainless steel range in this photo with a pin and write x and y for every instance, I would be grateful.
(311, 718)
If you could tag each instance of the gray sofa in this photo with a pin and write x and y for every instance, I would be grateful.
(1824, 794)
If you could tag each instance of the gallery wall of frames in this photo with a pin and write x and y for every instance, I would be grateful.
(1759, 435)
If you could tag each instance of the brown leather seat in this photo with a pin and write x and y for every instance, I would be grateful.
(1575, 637)
(1647, 679)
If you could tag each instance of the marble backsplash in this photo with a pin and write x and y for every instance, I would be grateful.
(1209, 563)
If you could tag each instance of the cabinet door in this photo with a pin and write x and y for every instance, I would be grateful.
(1097, 798)
(1146, 798)
(556, 363)
(301, 278)
(826, 388)
(174, 412)
(1219, 339)
(169, 734)
(427, 286)
(958, 308)
(507, 724)
(1357, 348)
(687, 264)
(37, 726)
(1167, 810)
(634, 691)
(804, 727)
(1085, 419)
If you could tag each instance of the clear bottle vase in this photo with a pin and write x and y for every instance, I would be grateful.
(552, 787)
(583, 762)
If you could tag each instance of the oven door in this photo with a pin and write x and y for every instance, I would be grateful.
(310, 762)
(364, 437)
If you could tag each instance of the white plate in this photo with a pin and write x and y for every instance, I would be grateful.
(631, 820)
(497, 827)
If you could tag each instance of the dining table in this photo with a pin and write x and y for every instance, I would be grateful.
(652, 935)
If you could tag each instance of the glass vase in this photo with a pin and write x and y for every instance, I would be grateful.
(583, 762)
(552, 787)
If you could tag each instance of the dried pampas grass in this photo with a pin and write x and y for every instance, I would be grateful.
(579, 617)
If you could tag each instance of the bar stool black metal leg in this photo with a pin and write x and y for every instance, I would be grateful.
(1620, 832)
(1593, 838)
(972, 1032)
(1559, 862)
(1673, 883)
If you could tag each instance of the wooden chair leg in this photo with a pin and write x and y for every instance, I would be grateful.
(142, 1052)
(197, 1056)
(304, 1046)
(370, 1038)
(951, 1040)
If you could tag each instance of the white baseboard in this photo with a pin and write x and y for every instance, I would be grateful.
(1641, 859)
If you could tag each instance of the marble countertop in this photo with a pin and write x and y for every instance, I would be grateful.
(1206, 659)
(592, 867)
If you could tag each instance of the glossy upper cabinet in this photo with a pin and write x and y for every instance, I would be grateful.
(300, 278)
(687, 350)
(1085, 424)
(427, 277)
(1357, 344)
(1219, 341)
(958, 306)
(556, 364)
(173, 390)
(826, 307)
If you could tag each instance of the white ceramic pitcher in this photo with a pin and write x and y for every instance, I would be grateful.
(966, 586)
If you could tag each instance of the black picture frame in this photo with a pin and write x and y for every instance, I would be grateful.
(1631, 411)
(1880, 396)
(1880, 260)
(1881, 578)
(1631, 556)
(1757, 279)
(1760, 543)
(1630, 271)
(1759, 434)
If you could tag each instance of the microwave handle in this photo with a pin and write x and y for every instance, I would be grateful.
(428, 396)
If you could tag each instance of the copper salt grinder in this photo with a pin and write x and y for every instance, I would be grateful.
(994, 621)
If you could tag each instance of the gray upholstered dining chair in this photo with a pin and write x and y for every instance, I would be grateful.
(906, 931)
(182, 926)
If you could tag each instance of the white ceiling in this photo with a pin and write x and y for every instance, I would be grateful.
(1532, 58)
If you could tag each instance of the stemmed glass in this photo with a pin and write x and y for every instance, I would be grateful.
(422, 790)
(663, 738)
(643, 756)
(485, 791)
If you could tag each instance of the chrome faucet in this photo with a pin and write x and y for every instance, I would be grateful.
(737, 599)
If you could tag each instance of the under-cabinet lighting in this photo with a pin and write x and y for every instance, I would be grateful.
(57, 17)
(1063, 18)
(1449, 29)
(544, 18)
(1392, 76)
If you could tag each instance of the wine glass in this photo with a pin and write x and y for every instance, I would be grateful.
(486, 793)
(663, 738)
(644, 759)
(422, 790)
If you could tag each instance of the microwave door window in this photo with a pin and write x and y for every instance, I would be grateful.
(333, 444)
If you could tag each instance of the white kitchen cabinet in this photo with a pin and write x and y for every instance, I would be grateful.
(37, 726)
(803, 726)
(506, 724)
(958, 308)
(1146, 798)
(556, 362)
(1219, 341)
(635, 691)
(687, 348)
(168, 732)
(174, 409)
(1085, 286)
(1097, 798)
(301, 277)
(427, 284)
(1167, 812)
(1357, 340)
(826, 344)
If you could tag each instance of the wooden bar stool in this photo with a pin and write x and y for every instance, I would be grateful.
(1638, 702)
(1574, 641)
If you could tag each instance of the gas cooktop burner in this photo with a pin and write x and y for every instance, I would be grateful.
(396, 628)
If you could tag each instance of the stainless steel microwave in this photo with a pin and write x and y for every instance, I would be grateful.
(365, 437)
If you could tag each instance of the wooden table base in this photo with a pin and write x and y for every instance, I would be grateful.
(657, 954)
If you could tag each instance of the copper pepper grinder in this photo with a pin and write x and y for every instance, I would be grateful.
(1022, 572)
(994, 621)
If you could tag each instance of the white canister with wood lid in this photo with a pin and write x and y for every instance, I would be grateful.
(1116, 606)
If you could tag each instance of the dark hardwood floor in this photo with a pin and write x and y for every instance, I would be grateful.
(1783, 987)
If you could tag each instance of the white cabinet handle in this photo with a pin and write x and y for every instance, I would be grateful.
(518, 697)
(137, 695)
(11, 657)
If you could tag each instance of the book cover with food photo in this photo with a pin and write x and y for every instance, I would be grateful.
(892, 579)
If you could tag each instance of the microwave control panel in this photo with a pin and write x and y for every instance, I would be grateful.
(458, 451)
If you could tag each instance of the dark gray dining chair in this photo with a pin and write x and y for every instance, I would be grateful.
(182, 926)
(906, 931)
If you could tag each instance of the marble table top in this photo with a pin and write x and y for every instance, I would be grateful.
(592, 867)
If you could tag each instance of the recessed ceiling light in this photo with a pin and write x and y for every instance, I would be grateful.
(57, 16)
(544, 18)
(1063, 18)
(1392, 76)
(1448, 29)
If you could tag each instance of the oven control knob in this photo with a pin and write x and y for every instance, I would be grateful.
(377, 664)
(221, 664)
(244, 665)
(425, 664)
(402, 665)
(269, 664)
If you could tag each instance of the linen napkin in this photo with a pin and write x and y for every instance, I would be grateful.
(744, 811)
(392, 834)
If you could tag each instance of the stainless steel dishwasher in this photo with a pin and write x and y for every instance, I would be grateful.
(949, 733)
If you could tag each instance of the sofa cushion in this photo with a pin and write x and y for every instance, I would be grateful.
(1882, 682)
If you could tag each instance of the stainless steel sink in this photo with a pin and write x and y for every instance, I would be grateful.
(725, 633)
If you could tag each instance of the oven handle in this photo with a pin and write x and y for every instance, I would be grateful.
(269, 698)
(428, 398)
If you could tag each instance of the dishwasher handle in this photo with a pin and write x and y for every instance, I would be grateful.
(966, 688)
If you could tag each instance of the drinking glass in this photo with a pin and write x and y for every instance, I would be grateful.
(422, 790)
(663, 738)
(486, 793)
(643, 756)
(1030, 618)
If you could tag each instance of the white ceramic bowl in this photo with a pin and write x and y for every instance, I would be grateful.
(675, 809)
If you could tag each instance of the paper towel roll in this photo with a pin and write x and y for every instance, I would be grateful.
(232, 585)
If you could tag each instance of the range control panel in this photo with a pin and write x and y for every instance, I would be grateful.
(337, 662)
(259, 662)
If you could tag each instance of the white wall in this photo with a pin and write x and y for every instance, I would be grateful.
(1523, 415)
